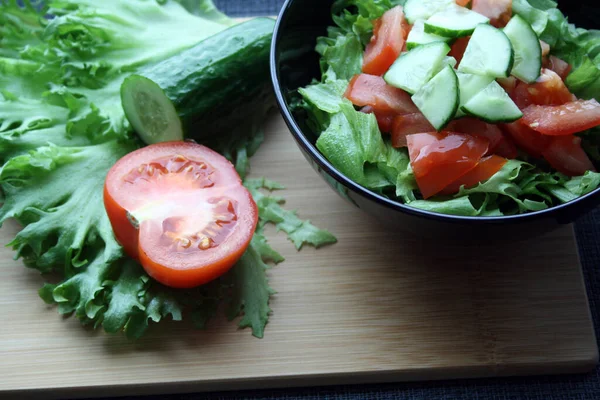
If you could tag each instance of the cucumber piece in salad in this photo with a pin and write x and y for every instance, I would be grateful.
(414, 69)
(422, 9)
(489, 53)
(470, 85)
(438, 99)
(454, 22)
(528, 51)
(493, 105)
(417, 36)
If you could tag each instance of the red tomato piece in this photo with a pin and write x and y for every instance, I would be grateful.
(549, 89)
(576, 116)
(463, 3)
(498, 11)
(509, 84)
(506, 148)
(438, 159)
(566, 155)
(371, 90)
(532, 142)
(545, 48)
(485, 169)
(389, 35)
(457, 50)
(474, 126)
(181, 210)
(561, 67)
(384, 120)
(409, 124)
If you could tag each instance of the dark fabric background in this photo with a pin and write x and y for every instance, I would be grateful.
(569, 387)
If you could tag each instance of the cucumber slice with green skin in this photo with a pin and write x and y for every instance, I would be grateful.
(415, 68)
(470, 85)
(438, 100)
(454, 22)
(149, 111)
(493, 105)
(528, 51)
(417, 36)
(415, 10)
(489, 53)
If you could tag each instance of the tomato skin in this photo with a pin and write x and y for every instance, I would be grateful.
(371, 90)
(409, 124)
(438, 159)
(389, 34)
(573, 117)
(534, 143)
(549, 89)
(194, 217)
(545, 48)
(463, 3)
(385, 120)
(485, 169)
(457, 50)
(477, 127)
(562, 68)
(566, 155)
(498, 11)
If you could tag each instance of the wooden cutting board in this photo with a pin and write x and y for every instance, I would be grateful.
(377, 306)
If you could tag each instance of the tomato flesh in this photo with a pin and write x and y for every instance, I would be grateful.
(462, 3)
(409, 124)
(458, 48)
(477, 127)
(181, 210)
(438, 159)
(573, 117)
(534, 143)
(385, 120)
(561, 67)
(545, 48)
(549, 89)
(566, 155)
(484, 170)
(389, 35)
(498, 11)
(373, 91)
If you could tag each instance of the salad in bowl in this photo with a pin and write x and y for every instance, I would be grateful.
(469, 108)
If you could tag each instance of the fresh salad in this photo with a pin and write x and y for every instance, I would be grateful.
(466, 107)
(125, 171)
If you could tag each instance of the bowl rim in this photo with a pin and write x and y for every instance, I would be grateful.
(308, 147)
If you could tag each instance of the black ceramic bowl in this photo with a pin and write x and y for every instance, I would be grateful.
(294, 63)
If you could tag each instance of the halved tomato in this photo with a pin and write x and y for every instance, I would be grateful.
(389, 34)
(566, 155)
(371, 90)
(576, 116)
(438, 159)
(457, 50)
(181, 210)
(409, 124)
(534, 143)
(561, 67)
(384, 120)
(549, 89)
(485, 169)
(498, 11)
(477, 127)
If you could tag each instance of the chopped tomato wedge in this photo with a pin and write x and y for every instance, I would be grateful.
(463, 3)
(509, 84)
(506, 148)
(549, 89)
(566, 155)
(371, 90)
(384, 120)
(474, 126)
(545, 48)
(438, 159)
(561, 67)
(485, 169)
(534, 143)
(576, 116)
(498, 11)
(389, 35)
(181, 210)
(409, 124)
(457, 50)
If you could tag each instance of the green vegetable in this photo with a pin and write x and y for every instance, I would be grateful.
(62, 127)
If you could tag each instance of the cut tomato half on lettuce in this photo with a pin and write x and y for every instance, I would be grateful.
(389, 35)
(409, 124)
(492, 133)
(439, 159)
(565, 154)
(385, 120)
(373, 91)
(549, 89)
(485, 169)
(181, 210)
(498, 11)
(532, 142)
(573, 117)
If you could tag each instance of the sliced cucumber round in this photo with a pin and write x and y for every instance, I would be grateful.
(149, 111)
(422, 9)
(417, 36)
(493, 105)
(470, 85)
(454, 22)
(489, 53)
(415, 68)
(528, 51)
(438, 99)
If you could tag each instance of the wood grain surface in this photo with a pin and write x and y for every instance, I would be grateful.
(377, 306)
